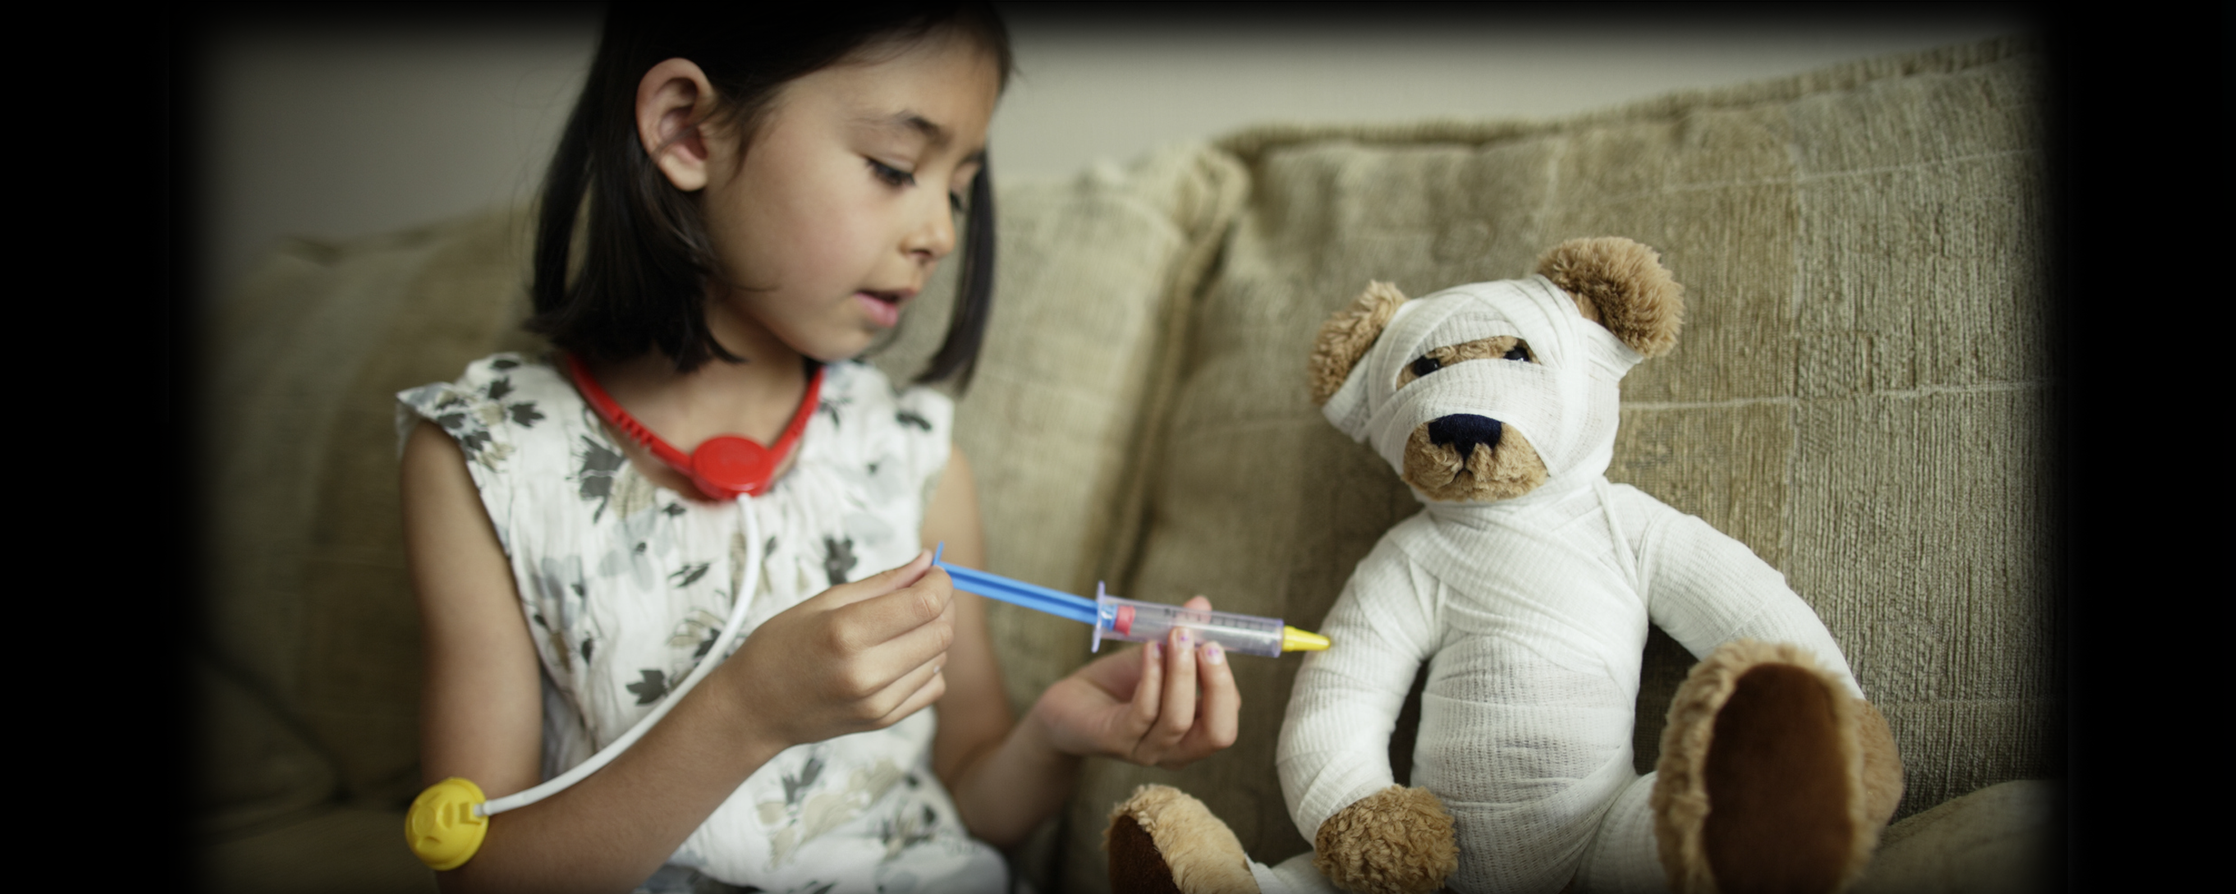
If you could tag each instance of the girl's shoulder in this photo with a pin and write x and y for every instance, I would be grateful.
(498, 399)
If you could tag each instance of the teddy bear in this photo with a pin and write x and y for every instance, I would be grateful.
(1526, 585)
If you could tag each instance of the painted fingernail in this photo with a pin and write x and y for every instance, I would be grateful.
(1213, 654)
(1180, 638)
(1153, 651)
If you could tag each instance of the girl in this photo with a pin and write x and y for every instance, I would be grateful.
(763, 199)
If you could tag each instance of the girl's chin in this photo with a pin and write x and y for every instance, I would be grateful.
(845, 343)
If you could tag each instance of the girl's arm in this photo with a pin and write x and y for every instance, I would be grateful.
(1142, 705)
(859, 656)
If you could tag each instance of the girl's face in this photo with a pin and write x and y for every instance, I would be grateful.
(846, 198)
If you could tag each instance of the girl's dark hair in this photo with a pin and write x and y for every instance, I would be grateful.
(640, 282)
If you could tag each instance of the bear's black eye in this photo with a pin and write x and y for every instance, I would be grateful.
(1517, 352)
(1426, 365)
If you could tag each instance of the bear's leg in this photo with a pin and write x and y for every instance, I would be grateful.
(1622, 856)
(1295, 875)
(1773, 776)
(1164, 842)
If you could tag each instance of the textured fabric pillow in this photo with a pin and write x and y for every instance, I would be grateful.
(1858, 393)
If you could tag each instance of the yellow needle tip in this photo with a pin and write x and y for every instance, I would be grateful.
(1294, 640)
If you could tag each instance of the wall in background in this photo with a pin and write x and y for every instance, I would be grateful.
(349, 124)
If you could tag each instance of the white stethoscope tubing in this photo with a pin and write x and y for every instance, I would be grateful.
(741, 601)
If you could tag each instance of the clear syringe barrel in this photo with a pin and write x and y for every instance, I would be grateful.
(1141, 622)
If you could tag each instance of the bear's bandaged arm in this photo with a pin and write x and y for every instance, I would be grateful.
(1704, 588)
(1335, 737)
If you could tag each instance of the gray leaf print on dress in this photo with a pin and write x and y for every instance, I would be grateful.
(795, 786)
(913, 824)
(838, 558)
(471, 438)
(689, 574)
(596, 474)
(559, 591)
(649, 689)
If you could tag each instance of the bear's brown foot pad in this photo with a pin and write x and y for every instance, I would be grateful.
(1778, 791)
(1763, 780)
(1161, 841)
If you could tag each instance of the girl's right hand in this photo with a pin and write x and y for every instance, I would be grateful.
(859, 656)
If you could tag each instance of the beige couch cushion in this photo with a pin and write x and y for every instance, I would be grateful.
(1858, 393)
(308, 602)
(2008, 838)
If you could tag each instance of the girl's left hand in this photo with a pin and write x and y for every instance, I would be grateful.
(1164, 704)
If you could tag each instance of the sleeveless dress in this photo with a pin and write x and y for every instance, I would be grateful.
(626, 586)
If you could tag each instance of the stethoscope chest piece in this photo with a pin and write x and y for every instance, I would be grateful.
(727, 465)
(442, 828)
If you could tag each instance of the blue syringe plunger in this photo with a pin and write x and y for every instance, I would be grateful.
(1135, 621)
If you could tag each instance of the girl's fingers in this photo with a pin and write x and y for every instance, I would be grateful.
(872, 670)
(1221, 710)
(903, 611)
(1148, 694)
(924, 643)
(881, 583)
(1178, 713)
(912, 692)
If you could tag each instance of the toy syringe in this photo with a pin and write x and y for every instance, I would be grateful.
(1140, 622)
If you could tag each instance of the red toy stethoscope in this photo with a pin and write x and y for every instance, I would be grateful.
(723, 466)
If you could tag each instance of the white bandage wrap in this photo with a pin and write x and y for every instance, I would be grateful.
(1531, 613)
(1566, 403)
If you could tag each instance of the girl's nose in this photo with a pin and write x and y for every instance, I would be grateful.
(934, 237)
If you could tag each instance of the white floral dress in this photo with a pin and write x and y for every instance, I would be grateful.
(626, 586)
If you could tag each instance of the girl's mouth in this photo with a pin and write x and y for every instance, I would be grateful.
(883, 308)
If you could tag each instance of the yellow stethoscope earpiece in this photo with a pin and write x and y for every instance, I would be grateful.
(442, 829)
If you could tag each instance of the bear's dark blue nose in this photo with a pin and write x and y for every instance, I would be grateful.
(1463, 431)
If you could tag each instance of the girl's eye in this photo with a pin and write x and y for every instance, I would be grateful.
(891, 175)
(1426, 365)
(955, 203)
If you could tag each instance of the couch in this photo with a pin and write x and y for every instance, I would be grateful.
(1862, 394)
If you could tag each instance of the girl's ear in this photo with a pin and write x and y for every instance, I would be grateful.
(672, 100)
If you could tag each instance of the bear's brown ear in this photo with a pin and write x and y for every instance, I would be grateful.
(1345, 337)
(1621, 285)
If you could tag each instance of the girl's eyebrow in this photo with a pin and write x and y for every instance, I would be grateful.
(928, 130)
(909, 121)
